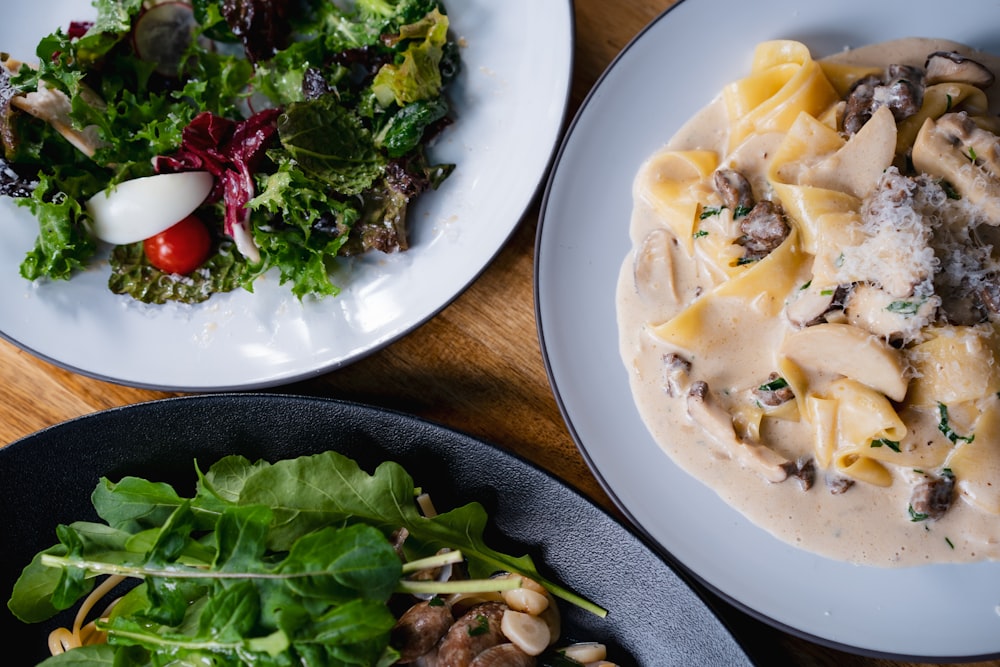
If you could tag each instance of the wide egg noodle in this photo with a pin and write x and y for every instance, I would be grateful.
(670, 182)
(784, 81)
(757, 292)
(976, 463)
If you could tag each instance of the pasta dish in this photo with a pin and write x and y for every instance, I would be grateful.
(809, 310)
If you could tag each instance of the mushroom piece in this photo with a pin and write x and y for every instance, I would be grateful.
(763, 228)
(804, 470)
(420, 628)
(838, 484)
(503, 655)
(845, 350)
(735, 190)
(932, 497)
(474, 632)
(704, 410)
(676, 374)
(901, 90)
(941, 150)
(882, 314)
(774, 392)
(952, 67)
(813, 305)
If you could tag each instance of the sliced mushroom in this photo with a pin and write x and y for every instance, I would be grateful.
(529, 633)
(704, 410)
(774, 392)
(503, 655)
(838, 484)
(932, 496)
(903, 93)
(813, 305)
(952, 67)
(734, 189)
(901, 90)
(763, 228)
(887, 316)
(845, 350)
(474, 632)
(676, 374)
(804, 470)
(420, 628)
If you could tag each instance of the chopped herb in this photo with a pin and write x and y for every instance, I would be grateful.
(710, 211)
(806, 286)
(827, 292)
(481, 627)
(698, 234)
(946, 472)
(972, 154)
(741, 211)
(949, 543)
(945, 427)
(903, 307)
(435, 602)
(947, 107)
(915, 515)
(774, 385)
(919, 471)
(886, 442)
(743, 261)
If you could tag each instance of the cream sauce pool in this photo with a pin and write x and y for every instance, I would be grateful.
(867, 524)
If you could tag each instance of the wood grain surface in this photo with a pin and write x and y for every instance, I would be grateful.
(476, 366)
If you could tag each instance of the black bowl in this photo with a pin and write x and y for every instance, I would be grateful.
(655, 618)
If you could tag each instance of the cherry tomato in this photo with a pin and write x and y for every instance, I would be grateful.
(179, 249)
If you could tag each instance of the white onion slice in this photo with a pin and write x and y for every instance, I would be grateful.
(143, 207)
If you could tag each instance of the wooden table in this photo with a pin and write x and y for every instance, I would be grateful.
(476, 367)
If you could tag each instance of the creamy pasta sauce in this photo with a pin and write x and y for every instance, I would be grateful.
(737, 349)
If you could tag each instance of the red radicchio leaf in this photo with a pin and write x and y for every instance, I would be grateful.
(79, 28)
(231, 151)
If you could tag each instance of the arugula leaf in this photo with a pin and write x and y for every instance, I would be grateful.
(331, 489)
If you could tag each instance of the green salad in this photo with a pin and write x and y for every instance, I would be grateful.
(290, 563)
(210, 141)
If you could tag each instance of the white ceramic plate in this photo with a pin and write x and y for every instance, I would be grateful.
(509, 104)
(677, 65)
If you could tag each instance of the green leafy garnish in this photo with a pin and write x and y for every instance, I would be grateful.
(289, 559)
(945, 427)
(886, 442)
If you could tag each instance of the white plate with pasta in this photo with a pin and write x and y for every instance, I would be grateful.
(890, 604)
(508, 106)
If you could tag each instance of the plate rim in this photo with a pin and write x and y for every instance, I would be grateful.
(265, 378)
(581, 446)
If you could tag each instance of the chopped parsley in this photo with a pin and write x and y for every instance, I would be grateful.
(904, 307)
(915, 515)
(700, 233)
(481, 627)
(774, 385)
(886, 442)
(949, 542)
(972, 154)
(741, 211)
(945, 427)
(710, 211)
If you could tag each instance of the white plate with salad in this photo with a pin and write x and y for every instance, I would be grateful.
(519, 510)
(675, 67)
(505, 109)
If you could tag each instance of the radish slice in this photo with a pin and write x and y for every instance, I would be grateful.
(135, 210)
(163, 33)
